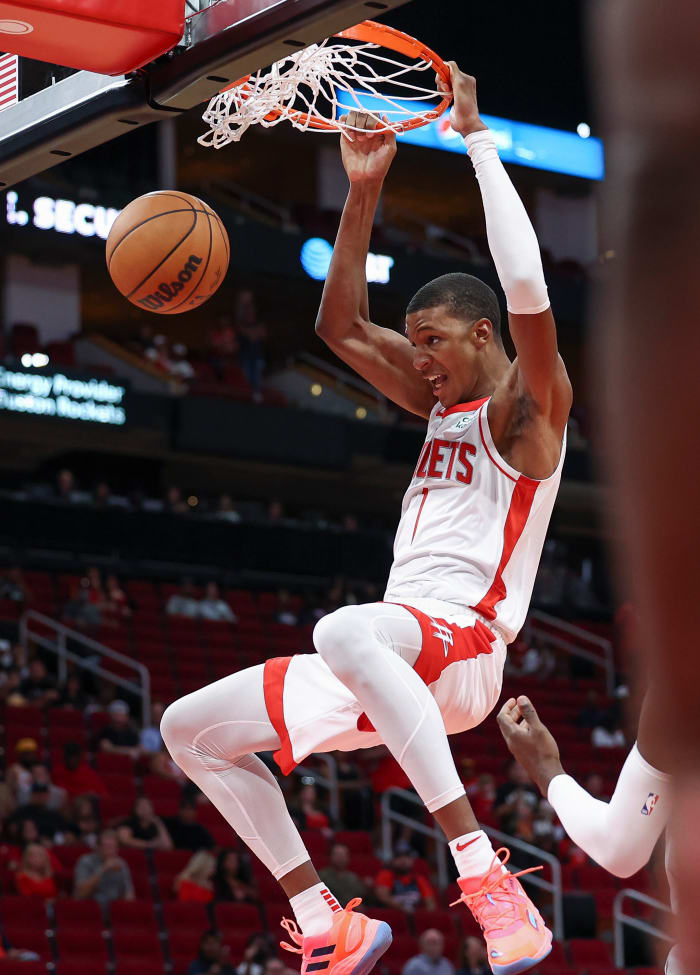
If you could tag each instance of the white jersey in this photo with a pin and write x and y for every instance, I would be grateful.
(472, 528)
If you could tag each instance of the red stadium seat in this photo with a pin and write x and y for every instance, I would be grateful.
(444, 921)
(148, 965)
(133, 915)
(185, 941)
(26, 911)
(79, 967)
(86, 944)
(241, 916)
(109, 763)
(356, 841)
(185, 916)
(12, 966)
(394, 918)
(171, 860)
(585, 953)
(77, 913)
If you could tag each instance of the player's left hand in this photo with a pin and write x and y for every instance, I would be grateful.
(464, 116)
(529, 741)
(367, 155)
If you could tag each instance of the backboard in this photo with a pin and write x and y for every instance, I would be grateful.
(223, 40)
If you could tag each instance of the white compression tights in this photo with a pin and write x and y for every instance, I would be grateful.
(372, 649)
(212, 734)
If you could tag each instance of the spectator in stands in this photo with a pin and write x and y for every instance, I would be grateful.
(75, 775)
(196, 882)
(19, 774)
(473, 958)
(548, 834)
(101, 496)
(213, 607)
(151, 739)
(7, 950)
(180, 366)
(212, 957)
(41, 776)
(72, 694)
(51, 825)
(482, 795)
(143, 830)
(403, 887)
(85, 822)
(39, 687)
(185, 602)
(251, 337)
(14, 587)
(284, 612)
(431, 960)
(115, 606)
(255, 956)
(174, 502)
(119, 735)
(185, 832)
(158, 353)
(594, 713)
(103, 875)
(339, 878)
(225, 509)
(35, 877)
(275, 966)
(223, 343)
(307, 809)
(66, 490)
(596, 787)
(164, 767)
(232, 880)
(517, 785)
(9, 688)
(83, 608)
(275, 511)
(518, 819)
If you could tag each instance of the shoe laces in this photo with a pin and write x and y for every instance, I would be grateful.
(491, 895)
(297, 937)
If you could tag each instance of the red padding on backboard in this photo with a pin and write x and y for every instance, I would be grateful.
(96, 35)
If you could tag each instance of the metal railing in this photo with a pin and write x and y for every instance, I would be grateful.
(574, 640)
(58, 644)
(553, 886)
(621, 919)
(328, 781)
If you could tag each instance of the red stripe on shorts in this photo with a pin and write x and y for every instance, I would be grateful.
(273, 685)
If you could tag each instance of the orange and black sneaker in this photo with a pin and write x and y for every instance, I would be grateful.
(517, 938)
(352, 945)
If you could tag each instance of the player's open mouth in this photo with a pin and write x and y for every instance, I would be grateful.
(437, 382)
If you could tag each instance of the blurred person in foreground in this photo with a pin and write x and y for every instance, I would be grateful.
(648, 87)
(431, 960)
(103, 875)
(620, 835)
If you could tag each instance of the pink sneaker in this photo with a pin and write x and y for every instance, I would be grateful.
(516, 936)
(352, 945)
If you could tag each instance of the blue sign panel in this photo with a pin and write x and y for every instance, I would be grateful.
(518, 142)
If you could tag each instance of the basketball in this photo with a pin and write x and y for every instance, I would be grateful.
(167, 252)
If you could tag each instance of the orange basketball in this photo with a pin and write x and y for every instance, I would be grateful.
(167, 252)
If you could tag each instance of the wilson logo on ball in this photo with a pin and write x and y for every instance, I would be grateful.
(165, 293)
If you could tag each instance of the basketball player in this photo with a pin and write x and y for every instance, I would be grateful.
(620, 835)
(428, 661)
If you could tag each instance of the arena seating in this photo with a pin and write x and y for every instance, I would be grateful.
(155, 934)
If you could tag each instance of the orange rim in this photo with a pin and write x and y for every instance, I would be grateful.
(394, 40)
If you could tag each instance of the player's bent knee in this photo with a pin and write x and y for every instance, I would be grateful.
(175, 728)
(337, 638)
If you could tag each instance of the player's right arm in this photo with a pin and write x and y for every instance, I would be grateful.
(381, 356)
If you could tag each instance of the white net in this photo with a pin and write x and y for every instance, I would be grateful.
(314, 87)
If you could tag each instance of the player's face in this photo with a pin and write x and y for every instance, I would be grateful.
(443, 353)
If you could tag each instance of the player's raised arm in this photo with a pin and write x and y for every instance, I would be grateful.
(381, 356)
(516, 254)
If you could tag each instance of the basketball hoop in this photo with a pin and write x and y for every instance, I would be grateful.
(313, 88)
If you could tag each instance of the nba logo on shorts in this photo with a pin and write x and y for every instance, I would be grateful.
(648, 807)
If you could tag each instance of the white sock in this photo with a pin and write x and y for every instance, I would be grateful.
(314, 909)
(473, 854)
